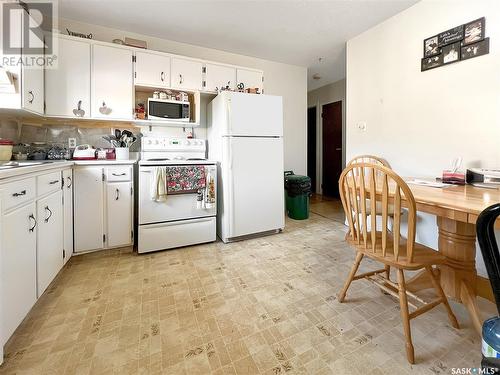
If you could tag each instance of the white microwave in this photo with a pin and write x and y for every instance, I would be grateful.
(168, 110)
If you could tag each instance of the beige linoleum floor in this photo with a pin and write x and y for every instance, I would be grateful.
(262, 306)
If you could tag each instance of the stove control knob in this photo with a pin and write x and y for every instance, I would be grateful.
(187, 143)
(150, 141)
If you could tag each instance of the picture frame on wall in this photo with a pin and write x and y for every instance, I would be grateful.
(431, 62)
(451, 36)
(474, 31)
(431, 46)
(476, 49)
(451, 53)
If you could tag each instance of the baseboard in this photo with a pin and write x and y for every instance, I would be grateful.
(484, 288)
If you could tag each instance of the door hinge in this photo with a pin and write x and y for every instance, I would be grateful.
(64, 254)
(103, 238)
(132, 234)
(134, 59)
(131, 190)
(135, 74)
(204, 69)
(44, 107)
(103, 176)
(262, 78)
(62, 183)
(204, 83)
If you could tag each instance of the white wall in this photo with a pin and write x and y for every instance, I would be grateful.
(420, 121)
(288, 81)
(330, 93)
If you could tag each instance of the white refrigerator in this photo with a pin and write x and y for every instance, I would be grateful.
(245, 137)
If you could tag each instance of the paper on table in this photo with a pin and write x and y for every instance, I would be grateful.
(429, 183)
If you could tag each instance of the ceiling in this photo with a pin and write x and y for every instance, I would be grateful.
(289, 31)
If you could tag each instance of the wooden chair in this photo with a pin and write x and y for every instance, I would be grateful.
(359, 184)
(369, 159)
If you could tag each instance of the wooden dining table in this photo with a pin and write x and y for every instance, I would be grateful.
(456, 209)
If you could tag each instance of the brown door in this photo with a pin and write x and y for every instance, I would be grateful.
(332, 148)
(311, 146)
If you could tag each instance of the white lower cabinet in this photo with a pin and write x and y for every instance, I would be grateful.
(67, 176)
(88, 209)
(18, 277)
(49, 239)
(119, 213)
(31, 244)
(103, 207)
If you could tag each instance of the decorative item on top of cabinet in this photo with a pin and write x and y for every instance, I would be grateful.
(251, 79)
(112, 83)
(218, 77)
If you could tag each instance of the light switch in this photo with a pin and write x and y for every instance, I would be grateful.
(361, 126)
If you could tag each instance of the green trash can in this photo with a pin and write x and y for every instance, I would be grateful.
(297, 192)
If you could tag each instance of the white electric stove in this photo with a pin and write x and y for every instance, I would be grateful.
(178, 220)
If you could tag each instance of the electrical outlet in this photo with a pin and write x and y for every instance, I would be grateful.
(361, 126)
(71, 142)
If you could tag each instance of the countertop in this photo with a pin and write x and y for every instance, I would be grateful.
(47, 165)
(35, 168)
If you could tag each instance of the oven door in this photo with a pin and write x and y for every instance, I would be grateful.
(175, 207)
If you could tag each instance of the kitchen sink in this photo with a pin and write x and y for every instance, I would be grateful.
(22, 163)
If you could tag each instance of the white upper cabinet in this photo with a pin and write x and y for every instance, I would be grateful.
(152, 70)
(218, 76)
(112, 82)
(250, 78)
(67, 88)
(186, 74)
(32, 82)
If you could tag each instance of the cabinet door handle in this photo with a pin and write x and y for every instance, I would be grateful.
(22, 192)
(104, 109)
(117, 194)
(53, 182)
(50, 214)
(162, 76)
(119, 174)
(78, 111)
(32, 97)
(181, 79)
(70, 182)
(32, 217)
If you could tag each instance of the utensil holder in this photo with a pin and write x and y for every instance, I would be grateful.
(122, 153)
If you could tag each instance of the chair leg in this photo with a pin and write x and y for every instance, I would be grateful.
(439, 290)
(354, 269)
(388, 272)
(405, 316)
